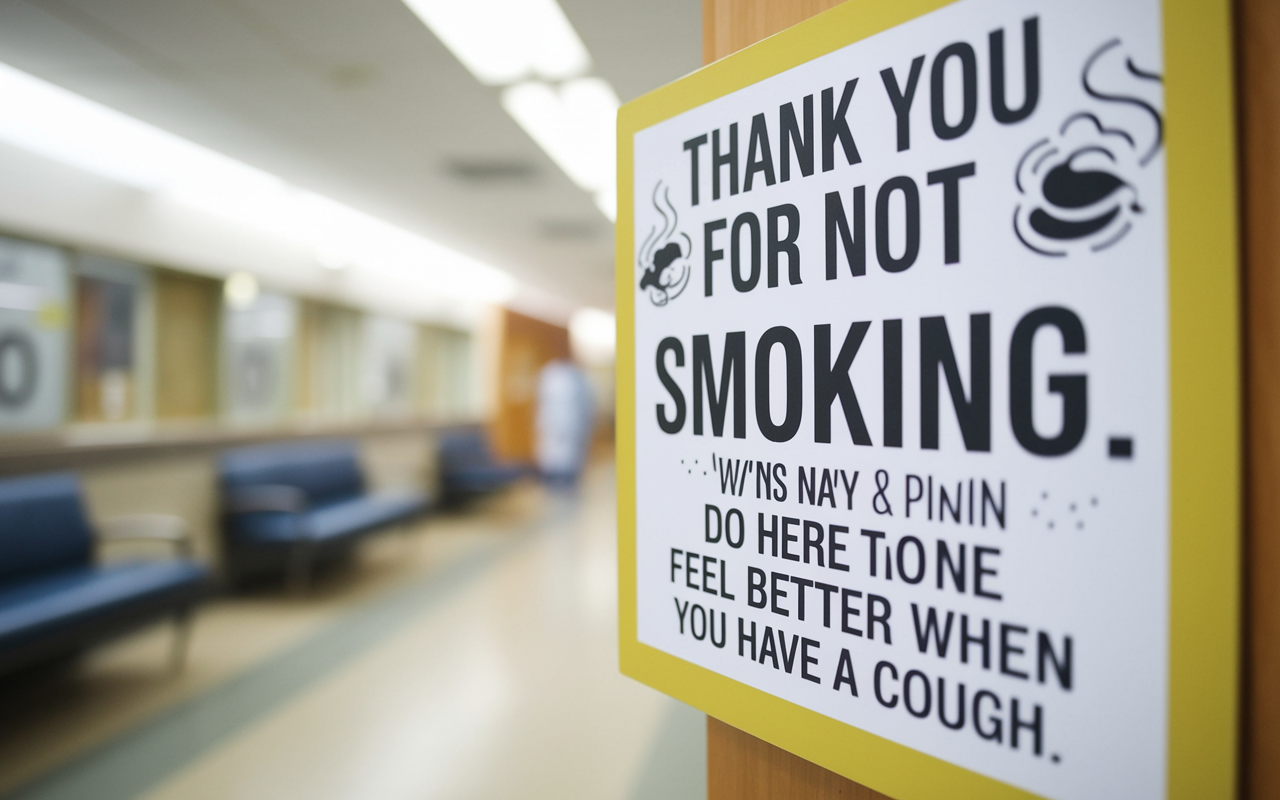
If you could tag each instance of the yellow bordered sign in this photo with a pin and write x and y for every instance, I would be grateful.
(1198, 738)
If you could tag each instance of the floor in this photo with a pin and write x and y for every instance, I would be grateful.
(474, 656)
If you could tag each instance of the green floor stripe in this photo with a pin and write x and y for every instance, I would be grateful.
(137, 761)
(676, 768)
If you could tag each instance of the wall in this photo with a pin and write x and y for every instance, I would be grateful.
(145, 384)
(446, 369)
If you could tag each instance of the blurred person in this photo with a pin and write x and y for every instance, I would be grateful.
(564, 423)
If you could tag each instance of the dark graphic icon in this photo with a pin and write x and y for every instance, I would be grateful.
(664, 254)
(1079, 186)
(661, 260)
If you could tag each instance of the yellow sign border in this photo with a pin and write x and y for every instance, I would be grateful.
(1205, 459)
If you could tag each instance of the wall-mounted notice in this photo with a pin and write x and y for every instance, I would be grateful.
(34, 299)
(915, 474)
(259, 337)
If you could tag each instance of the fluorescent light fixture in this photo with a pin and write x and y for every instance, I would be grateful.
(503, 41)
(61, 125)
(576, 125)
(240, 289)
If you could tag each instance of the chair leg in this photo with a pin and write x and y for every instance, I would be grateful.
(301, 563)
(180, 642)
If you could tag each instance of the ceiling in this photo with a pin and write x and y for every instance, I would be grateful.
(357, 100)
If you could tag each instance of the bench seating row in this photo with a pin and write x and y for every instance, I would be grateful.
(54, 598)
(286, 507)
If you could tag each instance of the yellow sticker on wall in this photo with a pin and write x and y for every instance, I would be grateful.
(52, 316)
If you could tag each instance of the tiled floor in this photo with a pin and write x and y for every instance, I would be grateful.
(475, 657)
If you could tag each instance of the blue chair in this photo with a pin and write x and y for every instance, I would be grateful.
(468, 467)
(55, 601)
(288, 507)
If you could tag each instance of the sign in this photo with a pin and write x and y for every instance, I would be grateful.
(112, 331)
(34, 295)
(928, 396)
(390, 347)
(259, 339)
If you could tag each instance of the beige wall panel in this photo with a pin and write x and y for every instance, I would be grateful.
(335, 364)
(304, 357)
(187, 486)
(184, 486)
(395, 461)
(187, 309)
(444, 374)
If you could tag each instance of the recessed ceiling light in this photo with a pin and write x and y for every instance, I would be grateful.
(240, 289)
(578, 229)
(491, 170)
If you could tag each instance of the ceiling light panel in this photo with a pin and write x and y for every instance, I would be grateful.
(53, 122)
(504, 41)
(66, 127)
(574, 124)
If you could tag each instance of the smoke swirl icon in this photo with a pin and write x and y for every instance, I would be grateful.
(1079, 187)
(664, 254)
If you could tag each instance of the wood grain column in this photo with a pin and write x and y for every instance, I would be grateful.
(740, 766)
(1258, 53)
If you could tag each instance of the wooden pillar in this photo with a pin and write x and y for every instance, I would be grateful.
(730, 25)
(740, 766)
(1258, 54)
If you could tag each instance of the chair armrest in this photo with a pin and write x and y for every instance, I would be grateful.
(266, 497)
(147, 528)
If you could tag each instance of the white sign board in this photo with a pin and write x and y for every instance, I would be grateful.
(902, 431)
(34, 290)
